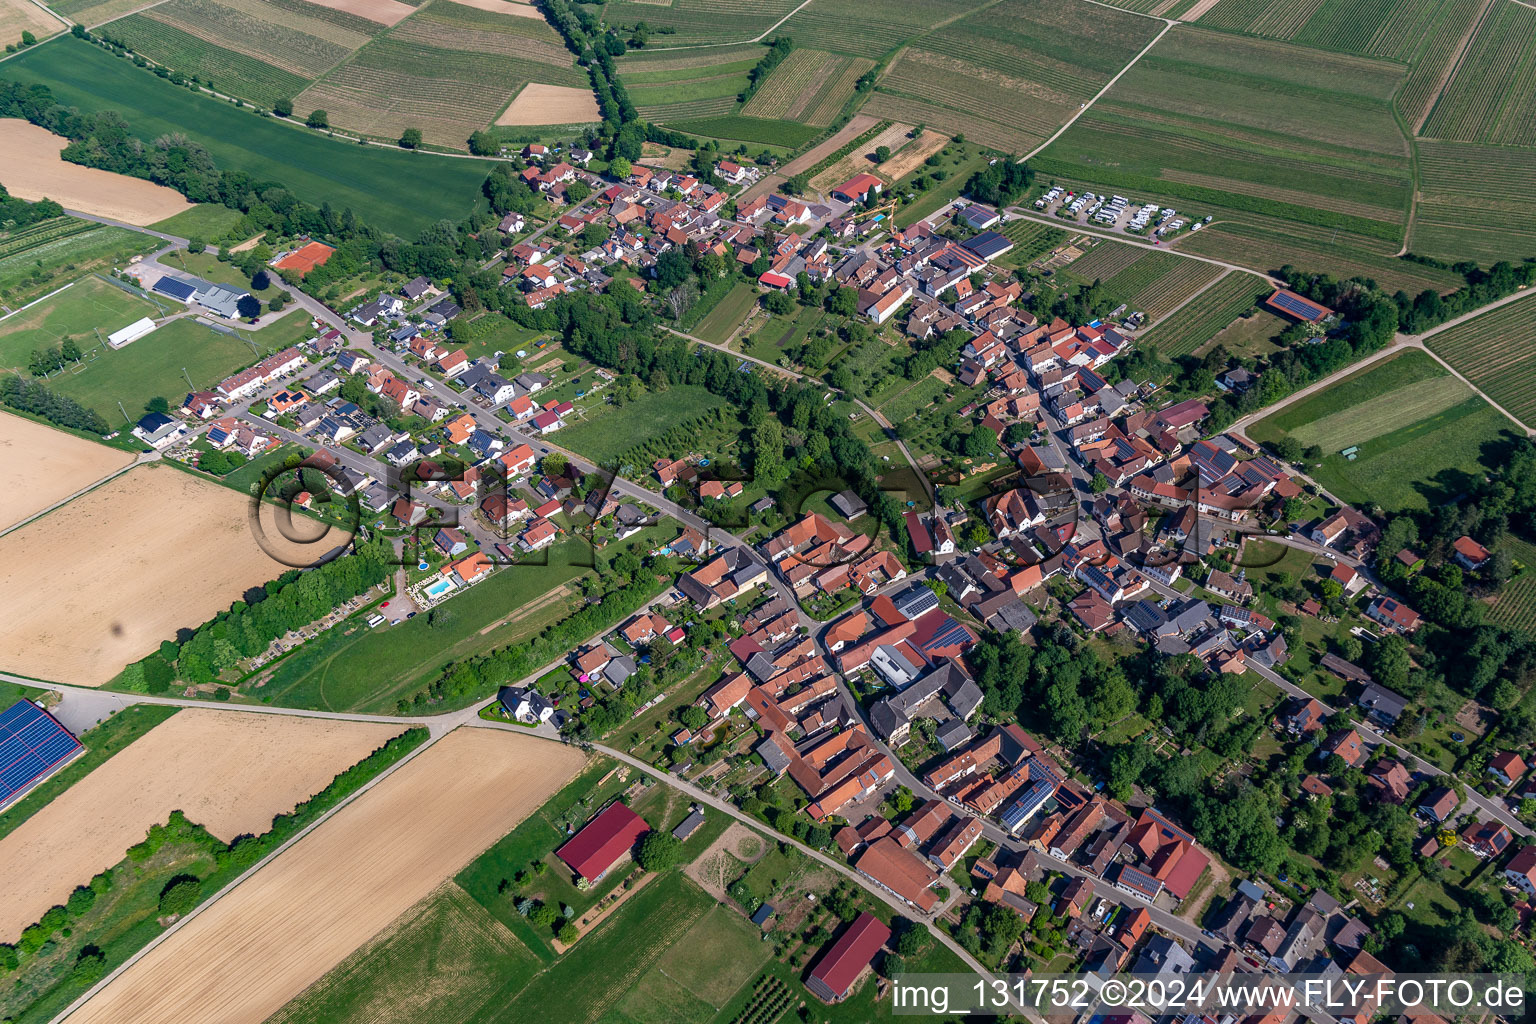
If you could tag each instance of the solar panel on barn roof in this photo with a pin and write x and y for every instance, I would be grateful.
(32, 744)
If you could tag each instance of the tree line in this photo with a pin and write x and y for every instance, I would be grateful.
(248, 627)
(19, 213)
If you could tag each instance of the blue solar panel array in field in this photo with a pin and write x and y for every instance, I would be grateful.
(32, 744)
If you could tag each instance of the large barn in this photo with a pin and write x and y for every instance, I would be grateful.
(33, 745)
(844, 961)
(606, 840)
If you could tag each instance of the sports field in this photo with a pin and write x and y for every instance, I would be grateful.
(1421, 441)
(1497, 352)
(198, 762)
(147, 368)
(128, 565)
(42, 258)
(1043, 55)
(246, 956)
(607, 435)
(392, 190)
(78, 312)
(47, 465)
(1300, 145)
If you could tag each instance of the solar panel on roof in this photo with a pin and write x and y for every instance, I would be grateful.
(32, 744)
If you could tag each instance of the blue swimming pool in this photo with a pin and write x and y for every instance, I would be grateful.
(440, 588)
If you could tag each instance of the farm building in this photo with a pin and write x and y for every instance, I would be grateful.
(844, 961)
(33, 745)
(857, 187)
(606, 840)
(1296, 307)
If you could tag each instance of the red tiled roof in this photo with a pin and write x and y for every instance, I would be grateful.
(607, 837)
(843, 962)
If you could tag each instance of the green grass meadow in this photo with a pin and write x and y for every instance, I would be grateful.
(616, 430)
(445, 951)
(718, 324)
(612, 968)
(353, 668)
(152, 366)
(393, 190)
(205, 220)
(31, 270)
(1421, 441)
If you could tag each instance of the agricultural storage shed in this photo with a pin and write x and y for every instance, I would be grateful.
(33, 745)
(844, 961)
(604, 841)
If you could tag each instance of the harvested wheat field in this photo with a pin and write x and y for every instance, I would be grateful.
(551, 104)
(229, 771)
(385, 12)
(516, 8)
(126, 566)
(245, 956)
(912, 155)
(18, 16)
(34, 170)
(45, 465)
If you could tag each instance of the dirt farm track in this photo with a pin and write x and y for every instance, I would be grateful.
(98, 583)
(229, 771)
(248, 954)
(46, 465)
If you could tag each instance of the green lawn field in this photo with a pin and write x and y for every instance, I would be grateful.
(611, 968)
(153, 365)
(205, 220)
(729, 312)
(46, 261)
(1426, 442)
(393, 190)
(78, 312)
(353, 668)
(534, 841)
(613, 431)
